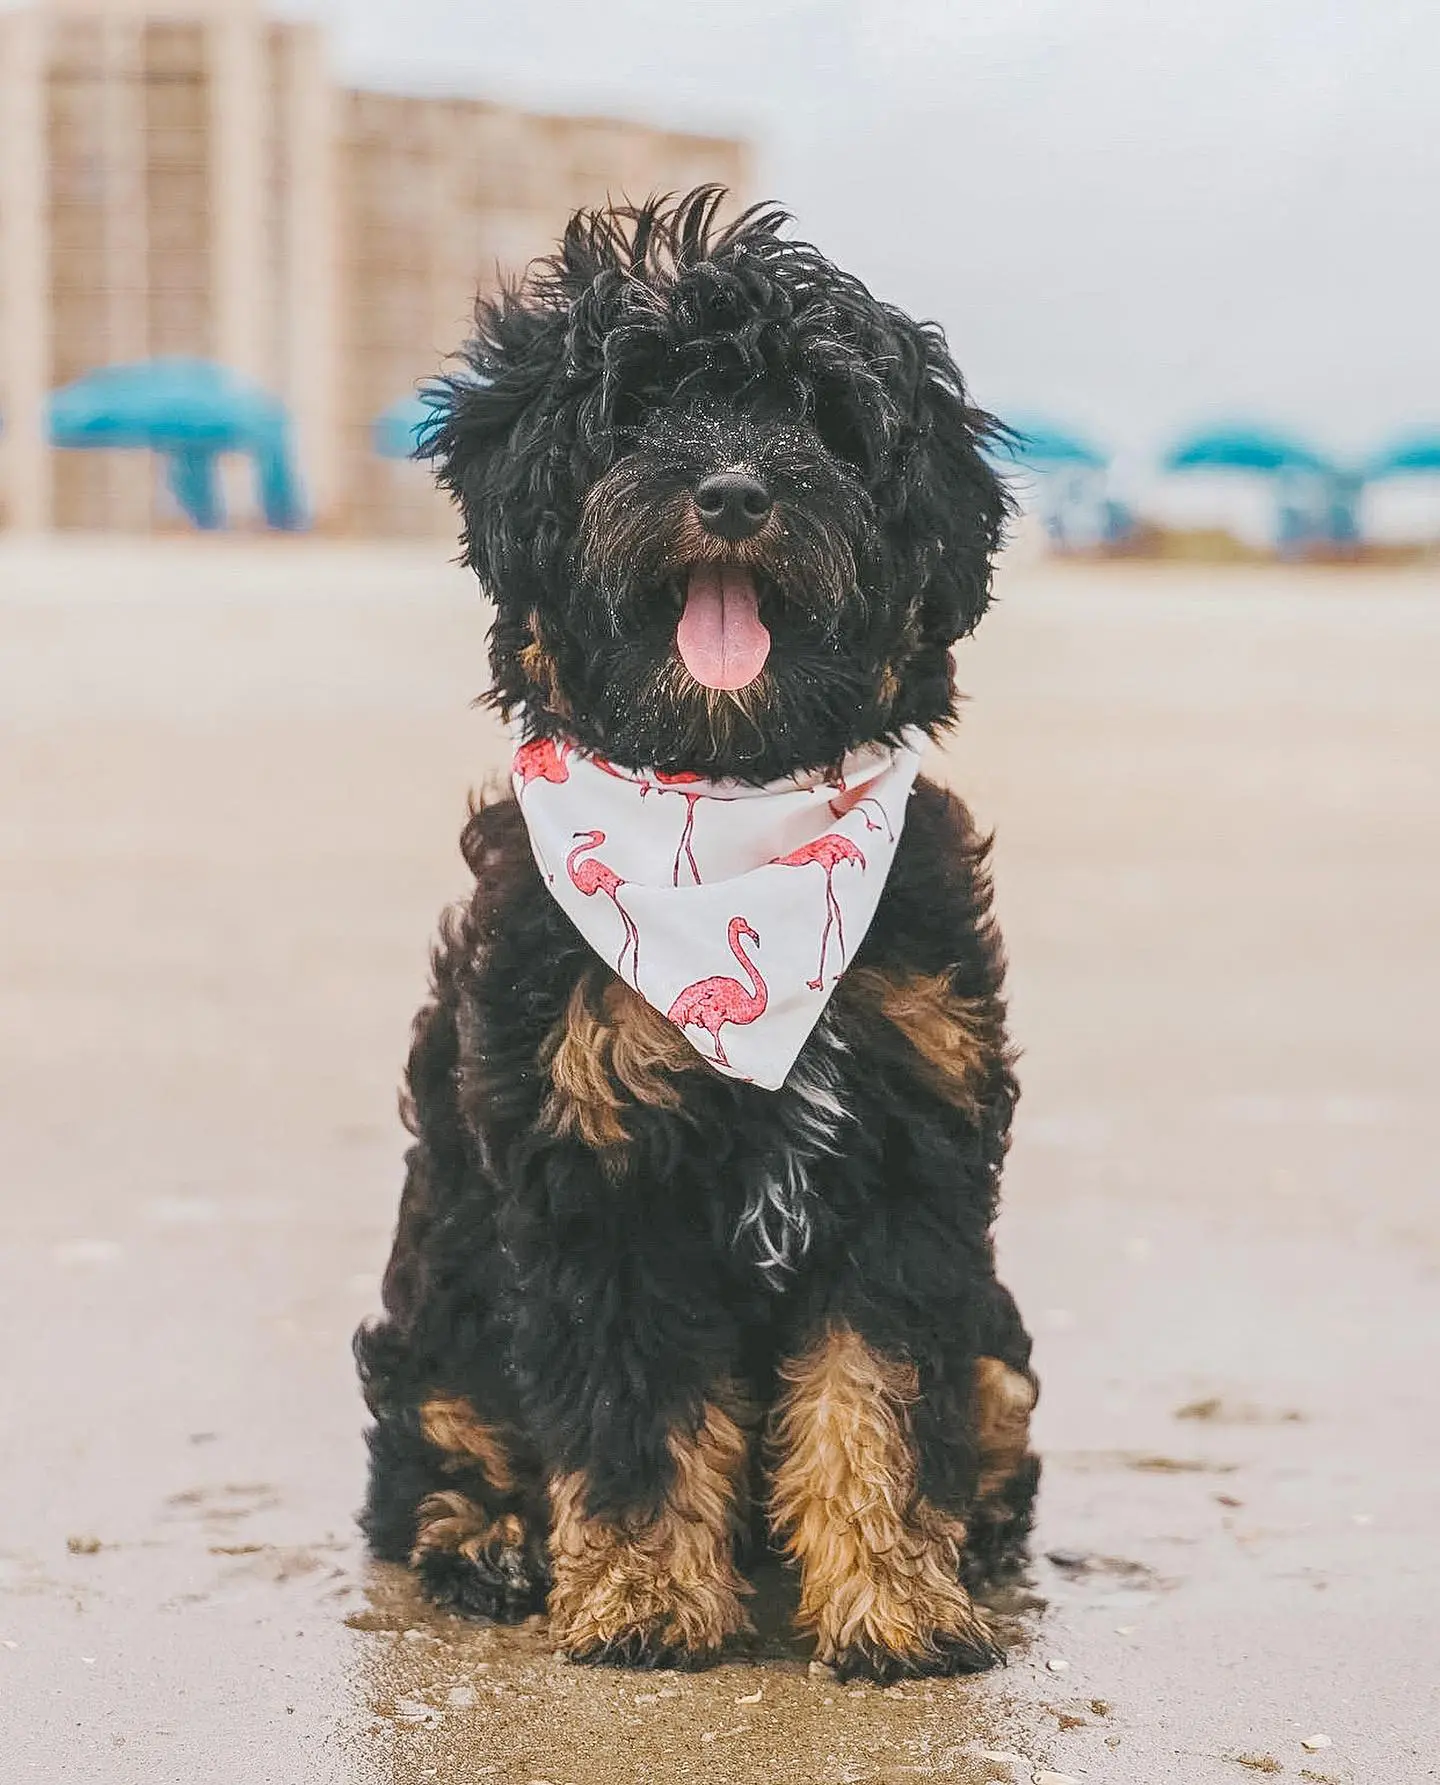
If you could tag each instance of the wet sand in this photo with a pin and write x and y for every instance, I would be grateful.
(231, 781)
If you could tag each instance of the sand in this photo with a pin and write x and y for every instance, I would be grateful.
(231, 779)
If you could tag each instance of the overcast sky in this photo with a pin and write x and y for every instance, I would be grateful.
(1128, 213)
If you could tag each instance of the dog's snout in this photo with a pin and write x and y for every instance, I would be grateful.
(732, 504)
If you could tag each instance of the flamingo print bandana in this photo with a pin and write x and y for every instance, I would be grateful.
(732, 910)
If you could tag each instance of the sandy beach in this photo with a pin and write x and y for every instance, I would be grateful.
(232, 775)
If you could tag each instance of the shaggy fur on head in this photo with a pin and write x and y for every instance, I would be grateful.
(656, 347)
(636, 1310)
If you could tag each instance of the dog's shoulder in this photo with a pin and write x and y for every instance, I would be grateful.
(506, 956)
(496, 847)
(935, 915)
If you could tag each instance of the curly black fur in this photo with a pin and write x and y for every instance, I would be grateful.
(658, 345)
(585, 1307)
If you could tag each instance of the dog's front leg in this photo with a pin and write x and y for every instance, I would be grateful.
(857, 1445)
(624, 1351)
(653, 1587)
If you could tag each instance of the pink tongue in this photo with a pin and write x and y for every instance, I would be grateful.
(721, 639)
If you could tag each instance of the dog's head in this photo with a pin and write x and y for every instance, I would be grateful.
(732, 509)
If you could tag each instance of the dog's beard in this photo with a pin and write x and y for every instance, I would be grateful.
(636, 702)
(707, 724)
(640, 543)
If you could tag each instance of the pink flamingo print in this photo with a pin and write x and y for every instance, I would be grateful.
(680, 783)
(711, 1003)
(606, 767)
(839, 808)
(827, 852)
(856, 799)
(591, 877)
(666, 784)
(542, 759)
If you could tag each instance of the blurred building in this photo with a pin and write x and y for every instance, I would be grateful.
(183, 177)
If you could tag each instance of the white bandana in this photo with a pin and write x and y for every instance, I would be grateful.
(732, 910)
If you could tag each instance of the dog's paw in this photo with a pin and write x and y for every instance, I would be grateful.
(688, 1633)
(661, 1593)
(641, 1648)
(475, 1565)
(944, 1653)
(998, 1530)
(646, 1623)
(498, 1591)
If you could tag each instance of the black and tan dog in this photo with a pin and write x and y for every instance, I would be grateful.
(638, 1310)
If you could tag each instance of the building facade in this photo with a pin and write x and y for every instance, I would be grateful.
(186, 178)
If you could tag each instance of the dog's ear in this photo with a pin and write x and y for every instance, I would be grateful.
(958, 505)
(489, 436)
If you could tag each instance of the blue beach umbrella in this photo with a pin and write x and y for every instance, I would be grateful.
(1070, 481)
(1413, 455)
(1241, 447)
(1315, 499)
(191, 410)
(1042, 446)
(403, 431)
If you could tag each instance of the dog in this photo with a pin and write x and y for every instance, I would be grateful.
(646, 1311)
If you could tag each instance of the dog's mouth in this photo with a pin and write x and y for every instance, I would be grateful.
(721, 638)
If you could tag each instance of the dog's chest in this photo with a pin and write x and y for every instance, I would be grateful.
(784, 1174)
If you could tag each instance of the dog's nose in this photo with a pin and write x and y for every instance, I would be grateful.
(732, 504)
